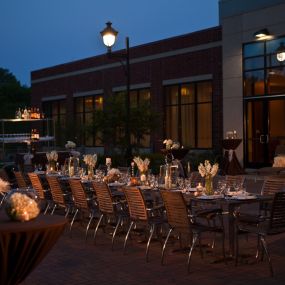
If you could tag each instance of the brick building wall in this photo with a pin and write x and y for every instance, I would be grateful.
(189, 56)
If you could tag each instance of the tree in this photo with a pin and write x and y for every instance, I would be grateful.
(109, 124)
(12, 94)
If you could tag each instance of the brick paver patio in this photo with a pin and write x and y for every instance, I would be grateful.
(74, 261)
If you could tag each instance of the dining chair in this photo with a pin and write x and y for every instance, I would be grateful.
(21, 180)
(231, 180)
(4, 190)
(271, 185)
(181, 219)
(44, 194)
(109, 208)
(264, 226)
(61, 199)
(82, 203)
(140, 214)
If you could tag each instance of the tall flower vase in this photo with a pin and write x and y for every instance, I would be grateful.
(90, 172)
(209, 190)
(143, 177)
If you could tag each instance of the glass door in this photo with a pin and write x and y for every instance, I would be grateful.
(265, 130)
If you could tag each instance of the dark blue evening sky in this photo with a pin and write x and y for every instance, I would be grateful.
(42, 33)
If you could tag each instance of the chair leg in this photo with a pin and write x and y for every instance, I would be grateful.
(53, 209)
(73, 219)
(97, 227)
(164, 245)
(46, 208)
(88, 225)
(127, 235)
(223, 249)
(115, 231)
(257, 255)
(263, 242)
(152, 229)
(194, 240)
(67, 212)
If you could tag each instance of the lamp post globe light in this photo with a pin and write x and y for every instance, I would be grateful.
(109, 35)
(280, 52)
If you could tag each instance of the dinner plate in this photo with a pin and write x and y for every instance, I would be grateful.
(116, 184)
(210, 197)
(244, 197)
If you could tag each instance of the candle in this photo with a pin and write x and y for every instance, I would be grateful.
(133, 169)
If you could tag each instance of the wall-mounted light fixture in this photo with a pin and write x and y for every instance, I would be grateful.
(262, 34)
(280, 52)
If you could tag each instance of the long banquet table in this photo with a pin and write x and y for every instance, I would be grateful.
(229, 205)
(23, 245)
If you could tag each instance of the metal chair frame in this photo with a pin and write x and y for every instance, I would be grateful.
(109, 208)
(80, 203)
(264, 226)
(139, 213)
(181, 219)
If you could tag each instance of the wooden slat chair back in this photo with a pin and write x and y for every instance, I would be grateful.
(176, 210)
(136, 204)
(56, 190)
(78, 193)
(277, 217)
(232, 179)
(37, 184)
(104, 197)
(272, 185)
(20, 179)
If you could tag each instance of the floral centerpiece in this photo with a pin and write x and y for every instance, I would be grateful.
(171, 148)
(4, 186)
(90, 160)
(52, 158)
(22, 205)
(70, 145)
(208, 171)
(142, 166)
(170, 144)
(113, 175)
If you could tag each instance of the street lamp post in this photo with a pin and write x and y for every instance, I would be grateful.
(109, 35)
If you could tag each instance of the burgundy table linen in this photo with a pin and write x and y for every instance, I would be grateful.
(23, 245)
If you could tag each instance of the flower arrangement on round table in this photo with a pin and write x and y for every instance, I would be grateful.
(22, 204)
(208, 171)
(70, 145)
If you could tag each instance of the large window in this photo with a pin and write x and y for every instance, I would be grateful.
(263, 73)
(188, 114)
(139, 98)
(57, 111)
(84, 116)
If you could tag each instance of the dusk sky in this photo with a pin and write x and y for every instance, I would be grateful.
(41, 33)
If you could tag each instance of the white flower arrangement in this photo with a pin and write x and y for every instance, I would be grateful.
(52, 156)
(90, 159)
(170, 144)
(114, 171)
(208, 170)
(4, 186)
(70, 145)
(141, 164)
(23, 208)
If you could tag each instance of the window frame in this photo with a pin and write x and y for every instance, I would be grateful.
(195, 104)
